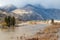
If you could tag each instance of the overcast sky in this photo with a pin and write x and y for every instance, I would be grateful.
(45, 3)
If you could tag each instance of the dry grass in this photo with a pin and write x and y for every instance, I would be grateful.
(49, 33)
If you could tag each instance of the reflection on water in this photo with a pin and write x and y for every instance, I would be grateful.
(17, 32)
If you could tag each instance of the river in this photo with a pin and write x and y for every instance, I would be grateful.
(26, 30)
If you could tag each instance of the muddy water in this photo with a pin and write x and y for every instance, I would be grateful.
(17, 32)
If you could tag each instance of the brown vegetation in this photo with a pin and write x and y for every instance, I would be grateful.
(49, 33)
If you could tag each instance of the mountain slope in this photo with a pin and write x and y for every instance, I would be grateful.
(27, 14)
(45, 13)
(9, 8)
(55, 13)
(33, 12)
(39, 10)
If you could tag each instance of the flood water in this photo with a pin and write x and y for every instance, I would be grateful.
(26, 30)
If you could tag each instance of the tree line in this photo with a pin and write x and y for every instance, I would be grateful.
(10, 21)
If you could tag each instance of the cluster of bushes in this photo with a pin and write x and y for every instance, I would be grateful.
(10, 21)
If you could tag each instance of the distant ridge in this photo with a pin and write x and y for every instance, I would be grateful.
(47, 14)
(38, 12)
(9, 8)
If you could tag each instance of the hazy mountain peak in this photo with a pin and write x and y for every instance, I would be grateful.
(9, 7)
(28, 5)
(39, 6)
(35, 6)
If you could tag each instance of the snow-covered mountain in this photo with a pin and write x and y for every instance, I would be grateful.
(54, 13)
(37, 12)
(45, 13)
(38, 9)
(8, 8)
(33, 12)
(27, 14)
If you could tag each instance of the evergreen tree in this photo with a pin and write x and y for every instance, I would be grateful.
(52, 21)
(10, 20)
(6, 20)
(13, 21)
